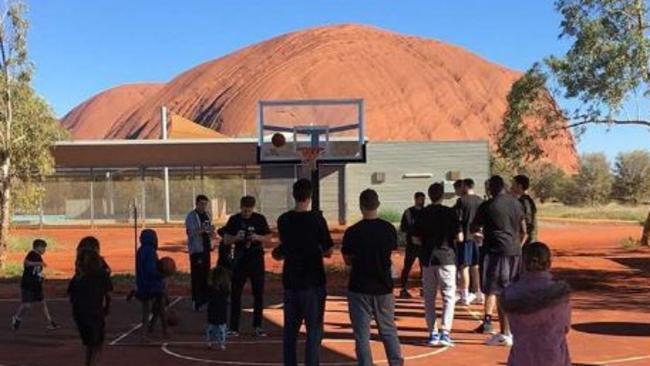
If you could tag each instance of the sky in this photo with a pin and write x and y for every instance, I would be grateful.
(82, 47)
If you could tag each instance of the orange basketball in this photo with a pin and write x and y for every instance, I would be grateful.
(167, 266)
(278, 139)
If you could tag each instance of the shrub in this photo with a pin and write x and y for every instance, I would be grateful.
(632, 177)
(390, 215)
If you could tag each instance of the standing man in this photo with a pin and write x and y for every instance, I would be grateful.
(199, 230)
(412, 251)
(248, 231)
(304, 241)
(520, 186)
(504, 231)
(437, 230)
(468, 250)
(367, 246)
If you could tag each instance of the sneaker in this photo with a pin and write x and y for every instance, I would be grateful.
(484, 328)
(233, 333)
(52, 326)
(15, 323)
(259, 332)
(404, 294)
(445, 339)
(499, 340)
(222, 346)
(434, 340)
(469, 299)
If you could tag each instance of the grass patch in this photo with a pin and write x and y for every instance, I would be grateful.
(11, 270)
(630, 243)
(23, 244)
(612, 211)
(390, 215)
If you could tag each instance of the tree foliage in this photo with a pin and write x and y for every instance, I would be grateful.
(632, 176)
(593, 183)
(546, 180)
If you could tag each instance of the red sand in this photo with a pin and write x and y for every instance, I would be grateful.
(415, 89)
(610, 285)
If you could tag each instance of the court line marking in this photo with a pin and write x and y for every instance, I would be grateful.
(621, 360)
(165, 349)
(139, 325)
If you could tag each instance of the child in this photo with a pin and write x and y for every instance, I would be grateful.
(31, 285)
(150, 284)
(539, 312)
(218, 293)
(89, 294)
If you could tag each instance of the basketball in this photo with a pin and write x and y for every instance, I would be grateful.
(172, 318)
(278, 139)
(167, 266)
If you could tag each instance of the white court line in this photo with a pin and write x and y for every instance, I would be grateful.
(621, 360)
(139, 325)
(166, 350)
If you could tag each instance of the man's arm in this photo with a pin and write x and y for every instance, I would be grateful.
(263, 233)
(327, 243)
(346, 249)
(278, 252)
(404, 224)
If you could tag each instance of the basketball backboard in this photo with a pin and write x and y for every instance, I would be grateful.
(333, 126)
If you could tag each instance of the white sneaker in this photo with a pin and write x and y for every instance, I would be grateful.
(499, 340)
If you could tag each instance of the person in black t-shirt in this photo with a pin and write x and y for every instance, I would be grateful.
(89, 294)
(367, 247)
(519, 187)
(504, 231)
(437, 230)
(248, 231)
(31, 285)
(412, 251)
(468, 250)
(304, 241)
(200, 232)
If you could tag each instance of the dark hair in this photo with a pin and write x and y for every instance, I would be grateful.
(39, 243)
(220, 278)
(458, 183)
(88, 243)
(537, 257)
(496, 185)
(523, 181)
(369, 200)
(468, 182)
(247, 201)
(149, 237)
(436, 192)
(201, 197)
(302, 190)
(419, 195)
(88, 262)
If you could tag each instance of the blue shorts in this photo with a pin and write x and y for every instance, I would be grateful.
(467, 254)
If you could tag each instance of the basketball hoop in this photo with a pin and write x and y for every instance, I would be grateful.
(309, 155)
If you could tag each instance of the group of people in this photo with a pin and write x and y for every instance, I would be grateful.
(487, 246)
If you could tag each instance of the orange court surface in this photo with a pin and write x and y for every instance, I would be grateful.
(611, 308)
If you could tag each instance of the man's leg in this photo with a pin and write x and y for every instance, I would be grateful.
(205, 275)
(503, 321)
(195, 269)
(237, 286)
(409, 259)
(447, 281)
(430, 289)
(293, 317)
(360, 314)
(257, 284)
(314, 311)
(384, 312)
(146, 312)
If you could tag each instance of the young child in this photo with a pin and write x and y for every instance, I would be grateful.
(218, 293)
(31, 285)
(150, 284)
(539, 312)
(89, 294)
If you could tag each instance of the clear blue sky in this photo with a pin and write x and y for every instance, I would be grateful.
(81, 47)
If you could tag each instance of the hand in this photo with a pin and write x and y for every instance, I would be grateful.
(328, 253)
(241, 235)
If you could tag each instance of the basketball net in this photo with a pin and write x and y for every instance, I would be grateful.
(309, 156)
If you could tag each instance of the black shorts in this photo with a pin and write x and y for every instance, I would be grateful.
(92, 329)
(467, 254)
(498, 272)
(29, 295)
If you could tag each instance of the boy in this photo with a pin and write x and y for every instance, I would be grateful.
(150, 284)
(411, 253)
(437, 231)
(520, 186)
(248, 231)
(468, 251)
(304, 241)
(31, 285)
(367, 246)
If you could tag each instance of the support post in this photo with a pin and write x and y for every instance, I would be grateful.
(143, 187)
(163, 128)
(92, 198)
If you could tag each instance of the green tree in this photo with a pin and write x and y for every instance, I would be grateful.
(632, 176)
(605, 67)
(594, 180)
(546, 180)
(28, 127)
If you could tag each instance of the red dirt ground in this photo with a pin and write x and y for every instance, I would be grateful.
(610, 317)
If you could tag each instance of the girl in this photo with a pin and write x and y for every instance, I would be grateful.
(539, 311)
(218, 294)
(150, 284)
(89, 294)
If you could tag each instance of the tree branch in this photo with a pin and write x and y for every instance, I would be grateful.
(609, 122)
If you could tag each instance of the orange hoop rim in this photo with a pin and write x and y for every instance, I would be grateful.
(309, 154)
